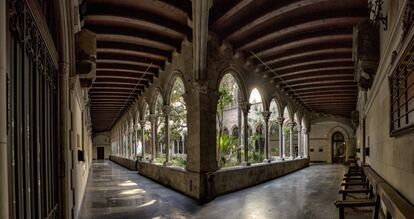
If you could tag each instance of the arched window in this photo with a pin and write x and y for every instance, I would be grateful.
(178, 123)
(274, 129)
(228, 114)
(338, 148)
(235, 132)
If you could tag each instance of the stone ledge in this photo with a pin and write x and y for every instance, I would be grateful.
(125, 162)
(206, 186)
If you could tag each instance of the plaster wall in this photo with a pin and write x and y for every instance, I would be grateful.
(320, 140)
(391, 157)
(80, 140)
(102, 139)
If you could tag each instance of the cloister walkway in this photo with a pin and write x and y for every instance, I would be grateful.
(115, 192)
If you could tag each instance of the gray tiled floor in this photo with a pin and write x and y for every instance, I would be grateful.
(114, 192)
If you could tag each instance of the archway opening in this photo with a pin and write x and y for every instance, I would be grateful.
(228, 115)
(160, 149)
(287, 123)
(338, 148)
(274, 130)
(178, 124)
(255, 119)
(147, 133)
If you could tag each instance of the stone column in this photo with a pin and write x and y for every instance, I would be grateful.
(291, 126)
(299, 128)
(245, 107)
(136, 139)
(153, 119)
(280, 121)
(266, 116)
(305, 132)
(142, 123)
(4, 195)
(166, 110)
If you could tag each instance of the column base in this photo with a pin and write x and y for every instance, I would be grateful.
(167, 163)
(244, 163)
(267, 160)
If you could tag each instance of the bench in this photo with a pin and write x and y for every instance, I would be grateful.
(353, 204)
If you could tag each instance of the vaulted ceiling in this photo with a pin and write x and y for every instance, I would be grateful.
(134, 39)
(305, 46)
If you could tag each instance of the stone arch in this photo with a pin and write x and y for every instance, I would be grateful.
(262, 96)
(145, 109)
(157, 92)
(239, 80)
(176, 75)
(340, 129)
(289, 110)
(278, 104)
(232, 130)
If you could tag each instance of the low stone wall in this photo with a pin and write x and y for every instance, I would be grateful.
(206, 186)
(125, 162)
(236, 178)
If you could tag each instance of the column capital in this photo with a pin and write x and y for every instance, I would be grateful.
(305, 130)
(292, 125)
(166, 110)
(136, 127)
(153, 117)
(280, 120)
(142, 123)
(266, 115)
(245, 107)
(299, 128)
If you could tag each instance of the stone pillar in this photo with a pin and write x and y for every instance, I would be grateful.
(136, 127)
(142, 123)
(245, 107)
(153, 119)
(266, 116)
(280, 121)
(299, 128)
(291, 126)
(4, 189)
(239, 136)
(166, 110)
(305, 132)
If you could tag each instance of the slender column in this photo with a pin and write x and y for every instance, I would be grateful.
(281, 139)
(299, 128)
(153, 119)
(291, 126)
(266, 116)
(166, 110)
(239, 136)
(245, 107)
(142, 123)
(4, 195)
(305, 132)
(136, 139)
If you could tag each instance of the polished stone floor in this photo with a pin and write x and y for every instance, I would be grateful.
(115, 192)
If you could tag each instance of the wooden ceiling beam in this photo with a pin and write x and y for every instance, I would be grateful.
(279, 49)
(319, 24)
(319, 77)
(117, 51)
(313, 62)
(314, 70)
(337, 87)
(310, 53)
(231, 12)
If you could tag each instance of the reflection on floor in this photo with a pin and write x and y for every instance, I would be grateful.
(115, 192)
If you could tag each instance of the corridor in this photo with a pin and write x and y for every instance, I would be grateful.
(115, 192)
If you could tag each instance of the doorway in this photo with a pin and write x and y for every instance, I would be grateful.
(101, 153)
(338, 148)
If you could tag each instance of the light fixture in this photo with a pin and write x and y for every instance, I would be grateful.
(375, 9)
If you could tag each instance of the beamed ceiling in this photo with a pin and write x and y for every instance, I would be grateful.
(134, 39)
(304, 46)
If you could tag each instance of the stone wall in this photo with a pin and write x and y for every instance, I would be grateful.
(391, 157)
(125, 162)
(320, 139)
(206, 186)
(102, 139)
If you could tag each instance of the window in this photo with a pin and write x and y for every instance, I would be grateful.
(402, 93)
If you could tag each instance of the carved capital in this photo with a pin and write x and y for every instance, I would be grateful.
(142, 123)
(299, 128)
(245, 107)
(153, 118)
(266, 115)
(280, 120)
(292, 125)
(166, 110)
(200, 87)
